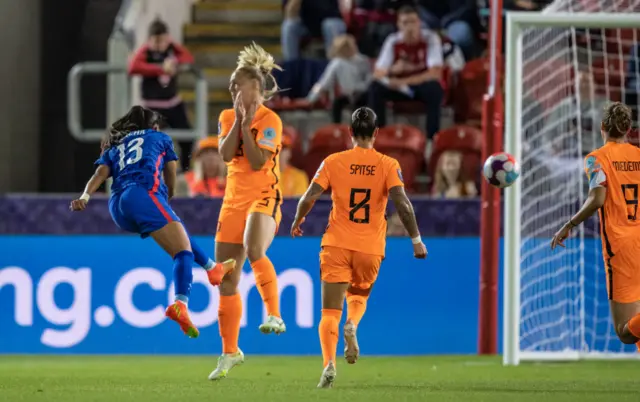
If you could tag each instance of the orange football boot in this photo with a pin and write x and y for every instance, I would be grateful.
(179, 313)
(220, 270)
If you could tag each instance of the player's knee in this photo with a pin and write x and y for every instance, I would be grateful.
(228, 286)
(254, 252)
(359, 291)
(624, 335)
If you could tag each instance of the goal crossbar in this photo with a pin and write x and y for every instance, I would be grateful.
(517, 22)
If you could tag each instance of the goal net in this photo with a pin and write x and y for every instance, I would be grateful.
(564, 65)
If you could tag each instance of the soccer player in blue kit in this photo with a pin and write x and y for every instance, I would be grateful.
(135, 154)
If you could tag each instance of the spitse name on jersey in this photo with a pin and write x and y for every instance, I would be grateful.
(360, 180)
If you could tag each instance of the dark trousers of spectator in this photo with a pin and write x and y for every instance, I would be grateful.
(430, 93)
(176, 117)
(342, 102)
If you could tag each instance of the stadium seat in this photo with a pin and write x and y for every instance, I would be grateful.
(294, 140)
(325, 141)
(608, 76)
(406, 144)
(467, 140)
(470, 90)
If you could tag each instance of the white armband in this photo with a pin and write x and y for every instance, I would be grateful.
(85, 197)
(416, 240)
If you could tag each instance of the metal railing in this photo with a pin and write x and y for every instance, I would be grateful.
(74, 107)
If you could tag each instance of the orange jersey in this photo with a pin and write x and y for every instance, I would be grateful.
(244, 183)
(616, 166)
(360, 180)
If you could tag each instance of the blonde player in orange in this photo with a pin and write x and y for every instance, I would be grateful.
(614, 176)
(250, 141)
(353, 245)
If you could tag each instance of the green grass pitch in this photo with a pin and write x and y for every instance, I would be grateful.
(294, 379)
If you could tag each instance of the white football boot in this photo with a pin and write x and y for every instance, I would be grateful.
(351, 348)
(226, 362)
(273, 325)
(328, 376)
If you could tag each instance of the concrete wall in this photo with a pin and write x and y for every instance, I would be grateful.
(19, 95)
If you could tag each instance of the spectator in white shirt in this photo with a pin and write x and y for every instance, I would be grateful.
(409, 68)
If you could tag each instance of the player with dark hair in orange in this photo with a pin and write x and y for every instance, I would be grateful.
(250, 142)
(614, 176)
(353, 246)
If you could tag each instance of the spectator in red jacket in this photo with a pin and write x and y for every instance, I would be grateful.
(157, 62)
(409, 67)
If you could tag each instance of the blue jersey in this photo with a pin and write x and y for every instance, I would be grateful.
(139, 160)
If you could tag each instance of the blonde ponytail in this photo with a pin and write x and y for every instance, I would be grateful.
(255, 57)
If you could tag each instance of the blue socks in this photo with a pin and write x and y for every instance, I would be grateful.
(182, 275)
(201, 257)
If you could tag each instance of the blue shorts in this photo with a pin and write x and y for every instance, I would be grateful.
(141, 211)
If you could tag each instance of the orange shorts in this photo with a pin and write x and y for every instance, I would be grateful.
(623, 274)
(339, 265)
(233, 218)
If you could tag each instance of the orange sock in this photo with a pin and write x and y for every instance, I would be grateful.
(638, 346)
(356, 306)
(634, 326)
(328, 330)
(267, 283)
(229, 316)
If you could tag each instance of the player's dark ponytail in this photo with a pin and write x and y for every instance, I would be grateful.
(617, 120)
(138, 118)
(363, 122)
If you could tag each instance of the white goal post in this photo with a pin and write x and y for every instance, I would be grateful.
(555, 303)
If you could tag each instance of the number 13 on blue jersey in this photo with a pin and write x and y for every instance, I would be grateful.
(133, 147)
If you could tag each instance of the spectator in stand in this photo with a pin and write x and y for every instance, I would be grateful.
(207, 178)
(457, 18)
(157, 62)
(450, 180)
(313, 18)
(349, 72)
(409, 68)
(293, 181)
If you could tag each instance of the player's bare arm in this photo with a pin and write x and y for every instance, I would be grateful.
(169, 175)
(595, 200)
(228, 145)
(408, 218)
(305, 205)
(101, 174)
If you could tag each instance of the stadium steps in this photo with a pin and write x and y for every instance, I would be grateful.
(218, 31)
(238, 12)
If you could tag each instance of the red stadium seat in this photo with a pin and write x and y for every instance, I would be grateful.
(470, 90)
(465, 139)
(608, 75)
(292, 138)
(407, 145)
(325, 141)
